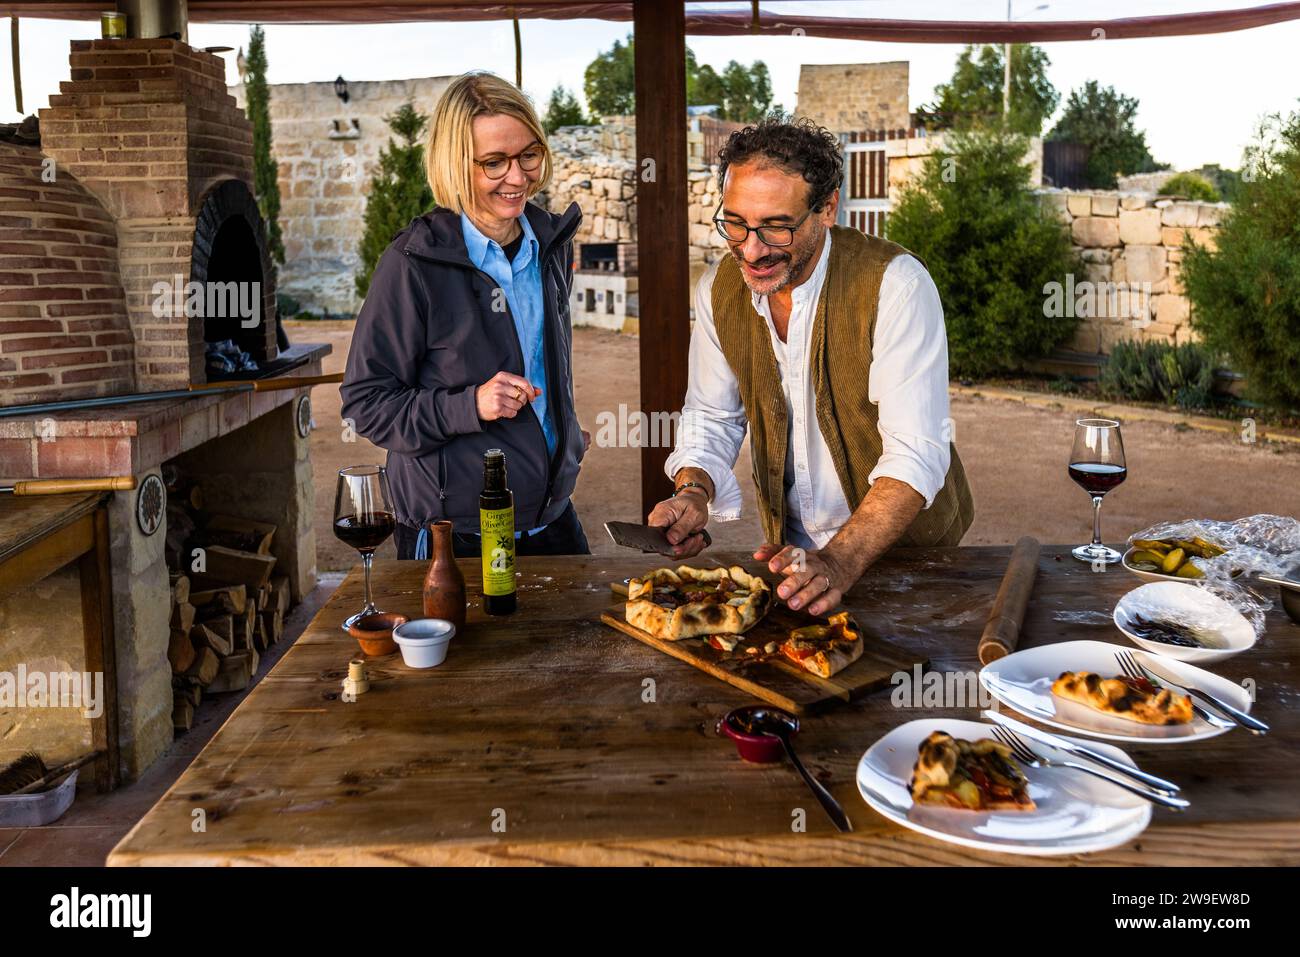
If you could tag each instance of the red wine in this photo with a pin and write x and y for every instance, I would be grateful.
(1097, 478)
(367, 535)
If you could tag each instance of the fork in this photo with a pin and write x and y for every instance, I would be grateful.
(1135, 671)
(1033, 759)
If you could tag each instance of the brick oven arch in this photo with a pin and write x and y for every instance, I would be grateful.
(230, 246)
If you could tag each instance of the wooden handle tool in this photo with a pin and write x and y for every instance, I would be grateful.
(1002, 631)
(111, 483)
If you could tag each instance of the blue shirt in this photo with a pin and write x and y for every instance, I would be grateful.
(521, 281)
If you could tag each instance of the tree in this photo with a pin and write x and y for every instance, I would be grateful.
(266, 184)
(974, 95)
(1105, 121)
(991, 247)
(740, 93)
(609, 81)
(399, 190)
(1245, 291)
(563, 109)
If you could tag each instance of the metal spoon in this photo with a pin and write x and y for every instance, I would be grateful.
(781, 724)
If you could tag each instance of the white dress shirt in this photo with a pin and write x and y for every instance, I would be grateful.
(908, 383)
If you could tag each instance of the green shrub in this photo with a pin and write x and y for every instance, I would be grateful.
(992, 249)
(1190, 186)
(1245, 293)
(1181, 375)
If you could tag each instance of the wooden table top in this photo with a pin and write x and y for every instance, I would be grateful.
(534, 742)
(25, 519)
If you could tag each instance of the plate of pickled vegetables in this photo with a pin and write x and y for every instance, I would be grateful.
(1172, 559)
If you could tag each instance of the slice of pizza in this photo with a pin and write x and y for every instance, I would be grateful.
(825, 649)
(1134, 699)
(692, 602)
(968, 775)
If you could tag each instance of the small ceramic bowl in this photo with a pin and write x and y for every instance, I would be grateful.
(424, 641)
(374, 633)
(1231, 632)
(758, 748)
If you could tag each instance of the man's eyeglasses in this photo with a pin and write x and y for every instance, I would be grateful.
(496, 167)
(734, 232)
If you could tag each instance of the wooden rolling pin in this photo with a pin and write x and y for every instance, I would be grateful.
(268, 385)
(112, 483)
(1002, 631)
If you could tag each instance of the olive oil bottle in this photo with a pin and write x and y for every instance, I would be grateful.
(496, 518)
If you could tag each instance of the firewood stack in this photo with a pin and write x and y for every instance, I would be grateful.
(224, 615)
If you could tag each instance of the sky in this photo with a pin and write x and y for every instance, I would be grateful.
(1201, 98)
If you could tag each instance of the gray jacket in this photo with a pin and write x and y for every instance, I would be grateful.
(426, 338)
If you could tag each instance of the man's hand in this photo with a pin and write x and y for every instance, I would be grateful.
(502, 396)
(684, 517)
(816, 580)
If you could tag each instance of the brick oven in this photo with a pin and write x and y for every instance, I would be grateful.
(605, 287)
(140, 193)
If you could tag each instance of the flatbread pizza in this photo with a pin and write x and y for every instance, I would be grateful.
(686, 602)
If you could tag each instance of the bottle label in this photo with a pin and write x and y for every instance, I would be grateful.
(497, 527)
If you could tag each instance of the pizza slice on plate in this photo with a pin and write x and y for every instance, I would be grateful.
(693, 602)
(969, 775)
(1135, 699)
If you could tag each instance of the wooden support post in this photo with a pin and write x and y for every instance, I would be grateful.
(663, 263)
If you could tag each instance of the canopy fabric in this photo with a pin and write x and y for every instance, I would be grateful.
(698, 22)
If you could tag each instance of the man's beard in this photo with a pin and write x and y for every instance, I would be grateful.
(770, 285)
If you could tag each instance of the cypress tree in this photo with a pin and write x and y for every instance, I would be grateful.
(399, 190)
(266, 184)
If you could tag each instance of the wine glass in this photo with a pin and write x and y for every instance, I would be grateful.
(363, 518)
(1097, 464)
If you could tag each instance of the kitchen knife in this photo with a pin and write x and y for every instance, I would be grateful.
(646, 538)
(1069, 747)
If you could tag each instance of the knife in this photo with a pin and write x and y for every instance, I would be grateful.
(1253, 725)
(646, 538)
(1069, 747)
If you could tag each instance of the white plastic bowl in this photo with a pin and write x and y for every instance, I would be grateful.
(424, 641)
(1177, 601)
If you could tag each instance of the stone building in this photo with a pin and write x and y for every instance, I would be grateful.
(847, 97)
(327, 150)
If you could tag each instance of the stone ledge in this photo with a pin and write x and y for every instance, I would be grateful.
(134, 438)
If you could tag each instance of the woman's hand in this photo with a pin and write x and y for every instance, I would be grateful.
(502, 396)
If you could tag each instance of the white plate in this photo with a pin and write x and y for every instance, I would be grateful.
(1023, 681)
(1076, 813)
(1147, 576)
(1172, 602)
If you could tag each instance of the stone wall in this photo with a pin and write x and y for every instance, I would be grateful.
(907, 156)
(846, 97)
(327, 150)
(1132, 244)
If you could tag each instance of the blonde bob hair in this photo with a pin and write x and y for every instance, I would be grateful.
(449, 152)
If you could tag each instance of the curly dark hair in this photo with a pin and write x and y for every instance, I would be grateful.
(796, 146)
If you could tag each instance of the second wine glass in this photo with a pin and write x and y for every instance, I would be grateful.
(1097, 465)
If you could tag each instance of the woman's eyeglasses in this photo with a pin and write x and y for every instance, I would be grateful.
(734, 232)
(496, 167)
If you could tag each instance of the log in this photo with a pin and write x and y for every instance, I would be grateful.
(242, 534)
(233, 566)
(182, 713)
(223, 625)
(204, 637)
(272, 625)
(180, 652)
(235, 673)
(220, 600)
(245, 627)
(183, 617)
(205, 667)
(180, 588)
(282, 593)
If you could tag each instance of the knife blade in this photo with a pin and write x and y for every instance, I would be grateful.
(1253, 725)
(646, 538)
(1069, 747)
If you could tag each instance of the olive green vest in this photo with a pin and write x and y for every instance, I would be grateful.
(840, 362)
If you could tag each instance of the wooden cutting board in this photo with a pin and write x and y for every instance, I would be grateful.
(780, 682)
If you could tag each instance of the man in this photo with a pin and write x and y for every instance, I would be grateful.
(830, 346)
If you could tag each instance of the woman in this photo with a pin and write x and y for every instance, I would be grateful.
(464, 342)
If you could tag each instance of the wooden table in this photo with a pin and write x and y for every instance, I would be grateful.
(547, 737)
(40, 534)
